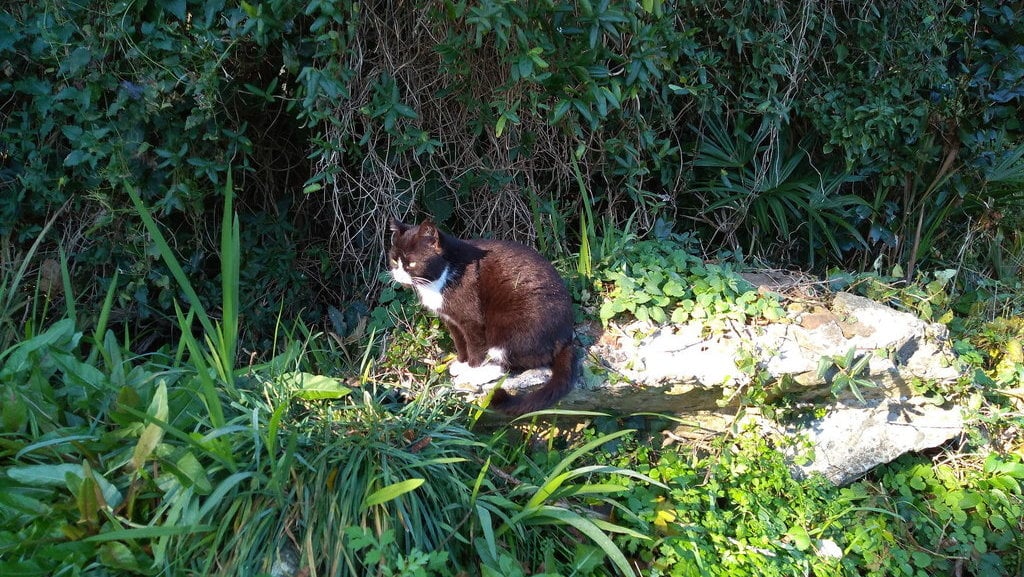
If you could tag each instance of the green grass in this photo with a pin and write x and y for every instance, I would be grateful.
(125, 468)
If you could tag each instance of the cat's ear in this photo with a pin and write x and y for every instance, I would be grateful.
(428, 231)
(397, 226)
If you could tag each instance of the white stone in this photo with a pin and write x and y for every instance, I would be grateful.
(851, 440)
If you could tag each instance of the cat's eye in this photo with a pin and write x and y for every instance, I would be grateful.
(414, 264)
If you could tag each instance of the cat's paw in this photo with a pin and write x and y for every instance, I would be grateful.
(456, 368)
(479, 375)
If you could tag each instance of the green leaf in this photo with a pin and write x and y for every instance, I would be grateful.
(13, 412)
(535, 57)
(994, 464)
(77, 60)
(680, 315)
(801, 539)
(674, 288)
(588, 528)
(148, 533)
(392, 492)
(405, 110)
(222, 490)
(117, 555)
(487, 528)
(154, 432)
(642, 314)
(60, 334)
(57, 476)
(76, 157)
(314, 387)
(561, 108)
(176, 7)
(194, 473)
(658, 315)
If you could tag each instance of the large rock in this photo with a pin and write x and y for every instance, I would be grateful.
(851, 440)
(704, 377)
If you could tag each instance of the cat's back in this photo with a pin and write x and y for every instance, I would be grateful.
(516, 276)
(517, 262)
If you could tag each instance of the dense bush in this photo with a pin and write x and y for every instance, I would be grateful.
(800, 132)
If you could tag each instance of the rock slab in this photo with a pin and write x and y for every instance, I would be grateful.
(851, 440)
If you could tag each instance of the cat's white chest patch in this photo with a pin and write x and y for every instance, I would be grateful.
(430, 294)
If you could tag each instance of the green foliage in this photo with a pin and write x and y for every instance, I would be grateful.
(846, 373)
(549, 506)
(735, 512)
(1001, 340)
(660, 281)
(811, 134)
(381, 552)
(928, 297)
(738, 511)
(130, 468)
(971, 515)
(759, 192)
(152, 96)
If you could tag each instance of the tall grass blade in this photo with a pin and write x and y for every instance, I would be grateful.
(150, 532)
(588, 235)
(52, 443)
(65, 279)
(210, 394)
(226, 486)
(170, 260)
(588, 528)
(585, 449)
(229, 274)
(392, 492)
(99, 332)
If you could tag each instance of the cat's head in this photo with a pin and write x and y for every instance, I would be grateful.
(416, 256)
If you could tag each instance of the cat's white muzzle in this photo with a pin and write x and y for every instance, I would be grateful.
(401, 277)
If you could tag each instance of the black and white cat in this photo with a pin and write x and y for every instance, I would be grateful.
(503, 303)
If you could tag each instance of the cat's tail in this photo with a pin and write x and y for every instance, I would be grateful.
(563, 378)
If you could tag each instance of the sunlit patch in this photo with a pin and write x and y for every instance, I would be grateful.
(430, 293)
(457, 368)
(496, 354)
(479, 375)
(399, 274)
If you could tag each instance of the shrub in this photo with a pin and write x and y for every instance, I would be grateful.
(860, 133)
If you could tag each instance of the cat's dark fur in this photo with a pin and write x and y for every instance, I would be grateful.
(500, 300)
